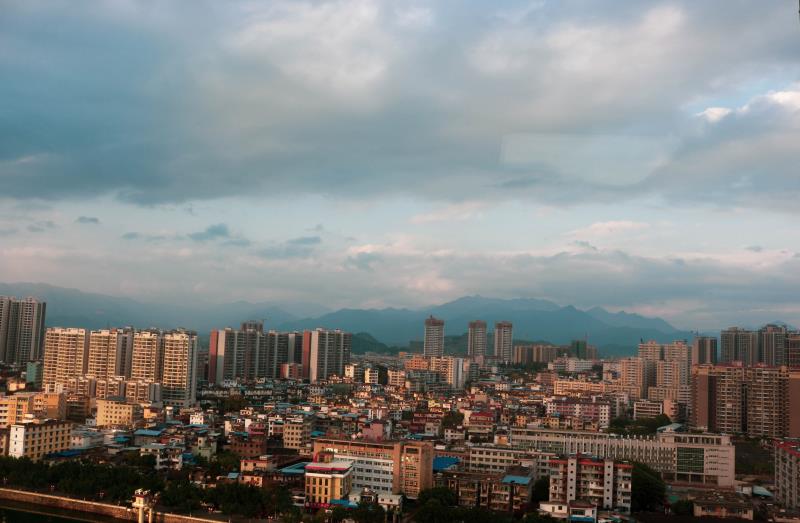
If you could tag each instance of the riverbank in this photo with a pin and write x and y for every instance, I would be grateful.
(76, 508)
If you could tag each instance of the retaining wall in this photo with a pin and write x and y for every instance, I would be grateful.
(91, 507)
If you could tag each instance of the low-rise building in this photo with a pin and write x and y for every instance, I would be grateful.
(327, 480)
(604, 483)
(297, 433)
(704, 459)
(723, 505)
(36, 439)
(399, 467)
(118, 412)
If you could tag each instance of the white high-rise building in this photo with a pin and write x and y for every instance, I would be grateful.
(433, 344)
(503, 341)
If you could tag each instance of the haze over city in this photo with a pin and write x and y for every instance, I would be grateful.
(633, 155)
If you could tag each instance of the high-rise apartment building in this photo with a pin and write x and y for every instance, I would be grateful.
(453, 370)
(668, 367)
(433, 344)
(179, 377)
(772, 344)
(738, 345)
(476, 339)
(793, 350)
(110, 353)
(651, 351)
(580, 349)
(65, 355)
(325, 353)
(21, 330)
(718, 398)
(704, 350)
(147, 356)
(250, 353)
(787, 474)
(636, 375)
(503, 341)
(760, 401)
(529, 354)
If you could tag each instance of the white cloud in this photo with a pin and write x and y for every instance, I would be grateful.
(337, 45)
(609, 228)
(714, 114)
(457, 212)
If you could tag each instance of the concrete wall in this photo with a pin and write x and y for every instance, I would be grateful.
(91, 507)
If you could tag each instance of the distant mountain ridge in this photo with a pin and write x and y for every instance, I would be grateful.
(613, 333)
(533, 319)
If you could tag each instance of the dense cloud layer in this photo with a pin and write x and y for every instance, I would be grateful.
(628, 154)
(368, 98)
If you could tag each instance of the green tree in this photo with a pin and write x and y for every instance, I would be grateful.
(647, 489)
(339, 513)
(452, 420)
(541, 491)
(233, 404)
(443, 495)
(433, 511)
(535, 517)
(182, 496)
(277, 500)
(683, 507)
(368, 513)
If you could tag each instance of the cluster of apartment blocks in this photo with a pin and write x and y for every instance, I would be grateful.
(142, 365)
(249, 353)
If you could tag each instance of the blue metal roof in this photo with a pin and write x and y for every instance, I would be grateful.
(761, 491)
(297, 468)
(443, 463)
(346, 503)
(521, 480)
(146, 432)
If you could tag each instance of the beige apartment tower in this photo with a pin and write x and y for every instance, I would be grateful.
(476, 339)
(147, 356)
(433, 343)
(503, 341)
(65, 355)
(179, 378)
(110, 353)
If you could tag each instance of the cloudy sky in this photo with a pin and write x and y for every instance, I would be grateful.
(636, 155)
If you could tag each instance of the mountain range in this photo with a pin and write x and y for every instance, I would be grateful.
(533, 319)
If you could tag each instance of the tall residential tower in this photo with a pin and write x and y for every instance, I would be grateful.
(433, 345)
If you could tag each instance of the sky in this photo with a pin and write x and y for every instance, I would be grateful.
(640, 156)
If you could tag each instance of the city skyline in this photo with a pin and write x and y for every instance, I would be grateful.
(625, 157)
